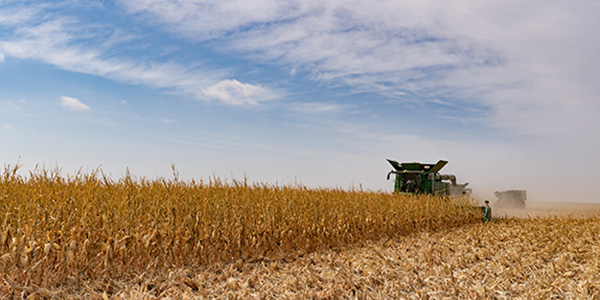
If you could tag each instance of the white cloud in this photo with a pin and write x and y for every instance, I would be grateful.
(73, 104)
(56, 40)
(529, 64)
(52, 42)
(17, 15)
(210, 19)
(359, 45)
(233, 92)
(1, 57)
(317, 107)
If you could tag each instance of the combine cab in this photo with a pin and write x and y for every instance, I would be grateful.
(421, 178)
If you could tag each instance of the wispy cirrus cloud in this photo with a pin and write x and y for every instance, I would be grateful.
(18, 14)
(524, 65)
(318, 107)
(202, 20)
(330, 40)
(66, 42)
(518, 60)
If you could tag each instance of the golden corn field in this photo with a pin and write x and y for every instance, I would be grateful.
(87, 236)
(66, 231)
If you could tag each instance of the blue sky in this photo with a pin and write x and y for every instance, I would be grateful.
(316, 92)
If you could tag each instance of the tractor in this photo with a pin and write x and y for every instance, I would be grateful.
(419, 178)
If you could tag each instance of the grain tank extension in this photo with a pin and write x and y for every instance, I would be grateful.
(421, 178)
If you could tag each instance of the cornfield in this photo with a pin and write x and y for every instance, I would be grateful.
(67, 232)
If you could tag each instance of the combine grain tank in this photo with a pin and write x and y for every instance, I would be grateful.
(511, 199)
(420, 178)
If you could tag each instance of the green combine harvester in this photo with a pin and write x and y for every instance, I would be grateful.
(418, 178)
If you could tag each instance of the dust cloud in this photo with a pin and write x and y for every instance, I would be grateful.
(549, 209)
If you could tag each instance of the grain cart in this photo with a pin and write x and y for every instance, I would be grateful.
(418, 178)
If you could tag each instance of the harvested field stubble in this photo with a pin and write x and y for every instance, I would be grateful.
(550, 258)
(87, 232)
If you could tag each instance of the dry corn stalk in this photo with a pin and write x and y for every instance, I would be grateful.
(90, 226)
